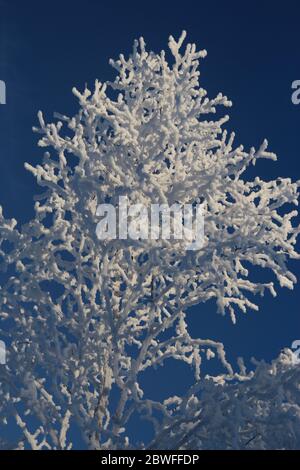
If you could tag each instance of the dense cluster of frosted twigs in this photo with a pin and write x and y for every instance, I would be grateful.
(84, 319)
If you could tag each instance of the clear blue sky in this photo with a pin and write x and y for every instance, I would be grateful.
(46, 48)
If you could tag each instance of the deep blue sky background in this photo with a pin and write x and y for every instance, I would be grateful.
(46, 48)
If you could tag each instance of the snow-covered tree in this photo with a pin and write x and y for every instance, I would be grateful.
(84, 318)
